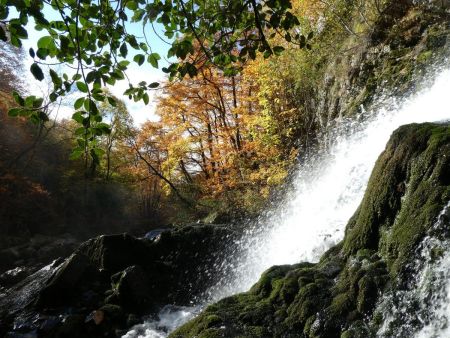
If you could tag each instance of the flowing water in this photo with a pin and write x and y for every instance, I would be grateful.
(327, 188)
(422, 308)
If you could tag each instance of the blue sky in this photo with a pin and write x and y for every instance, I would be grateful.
(146, 72)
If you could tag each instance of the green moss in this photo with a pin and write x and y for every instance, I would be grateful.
(425, 56)
(309, 324)
(212, 320)
(264, 286)
(341, 305)
(364, 253)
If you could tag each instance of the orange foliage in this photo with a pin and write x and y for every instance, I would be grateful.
(210, 139)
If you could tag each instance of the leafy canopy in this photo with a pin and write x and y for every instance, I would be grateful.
(93, 38)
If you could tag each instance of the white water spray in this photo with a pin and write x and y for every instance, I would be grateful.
(327, 190)
(422, 309)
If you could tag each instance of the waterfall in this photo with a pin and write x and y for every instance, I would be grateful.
(327, 189)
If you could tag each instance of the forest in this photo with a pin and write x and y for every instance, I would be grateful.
(220, 145)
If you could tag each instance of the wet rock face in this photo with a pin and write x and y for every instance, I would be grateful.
(336, 297)
(33, 254)
(110, 278)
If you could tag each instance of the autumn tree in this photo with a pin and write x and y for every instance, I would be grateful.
(120, 122)
(211, 140)
(94, 38)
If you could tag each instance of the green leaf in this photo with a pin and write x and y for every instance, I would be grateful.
(76, 154)
(80, 131)
(82, 87)
(29, 101)
(111, 81)
(65, 43)
(14, 112)
(99, 152)
(32, 54)
(57, 82)
(81, 143)
(94, 157)
(18, 31)
(79, 103)
(123, 63)
(45, 42)
(37, 103)
(91, 76)
(146, 98)
(153, 85)
(191, 69)
(15, 41)
(104, 128)
(77, 117)
(267, 54)
(143, 47)
(139, 59)
(93, 108)
(123, 50)
(42, 53)
(118, 74)
(37, 72)
(153, 59)
(132, 5)
(111, 101)
(19, 99)
(4, 12)
(278, 50)
(131, 39)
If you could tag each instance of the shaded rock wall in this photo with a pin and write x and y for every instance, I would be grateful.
(391, 56)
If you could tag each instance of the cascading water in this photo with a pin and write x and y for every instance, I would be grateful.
(327, 190)
(422, 309)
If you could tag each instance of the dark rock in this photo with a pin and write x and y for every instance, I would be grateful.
(13, 276)
(115, 252)
(61, 286)
(73, 326)
(133, 289)
(155, 234)
(109, 279)
(37, 252)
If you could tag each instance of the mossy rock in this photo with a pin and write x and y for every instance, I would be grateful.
(409, 186)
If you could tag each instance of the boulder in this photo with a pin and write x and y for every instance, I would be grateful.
(62, 285)
(110, 280)
(133, 289)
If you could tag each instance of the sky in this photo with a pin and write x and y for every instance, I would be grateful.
(136, 74)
